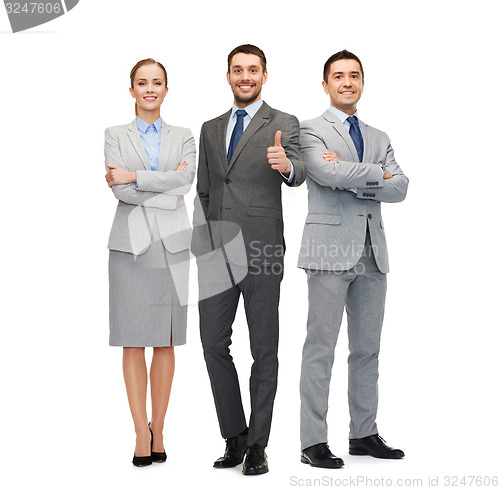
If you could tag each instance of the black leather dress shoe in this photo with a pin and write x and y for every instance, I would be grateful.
(255, 461)
(235, 451)
(374, 446)
(320, 456)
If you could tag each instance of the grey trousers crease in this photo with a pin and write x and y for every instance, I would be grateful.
(261, 298)
(361, 291)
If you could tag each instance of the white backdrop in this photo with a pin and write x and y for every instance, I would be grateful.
(431, 74)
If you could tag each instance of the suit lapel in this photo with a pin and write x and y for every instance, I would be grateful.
(336, 123)
(135, 139)
(221, 137)
(260, 118)
(367, 138)
(165, 146)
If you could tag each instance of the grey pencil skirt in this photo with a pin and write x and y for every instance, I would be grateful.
(144, 306)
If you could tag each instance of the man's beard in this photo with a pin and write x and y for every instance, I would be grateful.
(248, 98)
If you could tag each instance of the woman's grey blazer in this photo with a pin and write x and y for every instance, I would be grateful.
(158, 195)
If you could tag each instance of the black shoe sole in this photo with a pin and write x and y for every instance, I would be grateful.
(253, 471)
(226, 465)
(360, 452)
(315, 465)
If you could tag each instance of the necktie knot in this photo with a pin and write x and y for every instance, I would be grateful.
(352, 120)
(241, 112)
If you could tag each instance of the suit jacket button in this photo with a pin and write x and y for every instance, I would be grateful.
(369, 216)
(364, 194)
(376, 183)
(227, 181)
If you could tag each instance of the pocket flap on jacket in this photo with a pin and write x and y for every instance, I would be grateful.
(324, 219)
(264, 211)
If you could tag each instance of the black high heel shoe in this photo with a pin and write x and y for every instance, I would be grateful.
(156, 457)
(143, 460)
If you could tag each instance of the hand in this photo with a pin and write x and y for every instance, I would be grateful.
(118, 175)
(181, 165)
(329, 156)
(277, 158)
(387, 175)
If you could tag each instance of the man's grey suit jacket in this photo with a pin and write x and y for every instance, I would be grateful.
(246, 191)
(335, 229)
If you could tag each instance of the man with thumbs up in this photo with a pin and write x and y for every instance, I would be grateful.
(245, 156)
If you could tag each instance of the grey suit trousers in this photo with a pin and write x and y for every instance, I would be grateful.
(361, 290)
(260, 290)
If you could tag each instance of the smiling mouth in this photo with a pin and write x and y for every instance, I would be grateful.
(347, 92)
(150, 98)
(245, 86)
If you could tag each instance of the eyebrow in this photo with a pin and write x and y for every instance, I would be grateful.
(145, 79)
(342, 72)
(239, 66)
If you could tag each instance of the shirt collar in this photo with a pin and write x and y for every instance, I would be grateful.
(251, 109)
(142, 126)
(340, 115)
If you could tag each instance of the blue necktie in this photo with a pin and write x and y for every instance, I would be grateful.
(356, 135)
(237, 132)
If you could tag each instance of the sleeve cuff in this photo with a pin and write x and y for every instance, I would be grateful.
(289, 179)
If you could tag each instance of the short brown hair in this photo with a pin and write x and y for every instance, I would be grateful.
(247, 49)
(341, 55)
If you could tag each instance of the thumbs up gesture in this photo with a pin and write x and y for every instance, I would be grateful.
(277, 158)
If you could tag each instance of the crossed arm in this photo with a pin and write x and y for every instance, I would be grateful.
(326, 168)
(394, 188)
(159, 189)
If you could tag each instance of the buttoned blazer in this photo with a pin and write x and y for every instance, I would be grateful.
(159, 195)
(246, 190)
(335, 229)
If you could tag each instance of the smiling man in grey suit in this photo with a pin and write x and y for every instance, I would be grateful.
(351, 169)
(246, 155)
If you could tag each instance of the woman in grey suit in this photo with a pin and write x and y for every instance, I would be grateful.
(149, 257)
